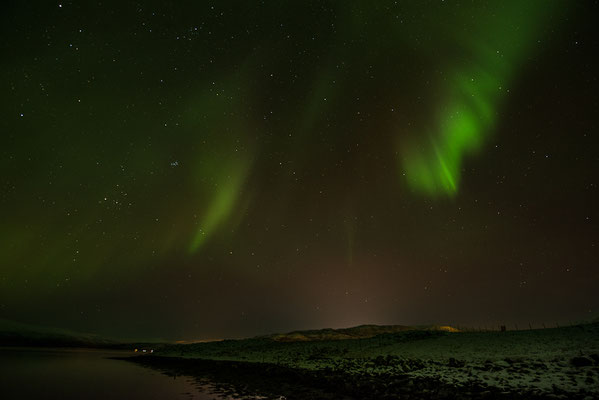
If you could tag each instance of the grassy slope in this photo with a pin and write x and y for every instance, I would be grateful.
(536, 360)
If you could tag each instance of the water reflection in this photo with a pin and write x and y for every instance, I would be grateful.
(241, 380)
(67, 374)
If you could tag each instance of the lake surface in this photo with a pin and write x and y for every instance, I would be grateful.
(27, 373)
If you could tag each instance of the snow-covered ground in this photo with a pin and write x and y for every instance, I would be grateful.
(558, 361)
(538, 360)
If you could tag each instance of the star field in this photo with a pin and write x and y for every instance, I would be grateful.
(224, 169)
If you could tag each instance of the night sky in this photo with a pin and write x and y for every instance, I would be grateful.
(225, 169)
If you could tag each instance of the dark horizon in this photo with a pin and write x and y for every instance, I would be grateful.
(213, 170)
(13, 333)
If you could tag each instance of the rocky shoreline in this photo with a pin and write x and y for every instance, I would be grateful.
(247, 380)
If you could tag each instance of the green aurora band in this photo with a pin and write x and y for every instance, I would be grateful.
(219, 207)
(96, 185)
(224, 154)
(474, 90)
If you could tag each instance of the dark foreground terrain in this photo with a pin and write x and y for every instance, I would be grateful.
(558, 363)
(231, 379)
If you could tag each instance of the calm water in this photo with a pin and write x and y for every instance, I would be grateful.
(86, 374)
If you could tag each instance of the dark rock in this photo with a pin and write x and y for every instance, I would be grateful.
(589, 380)
(581, 362)
(380, 361)
(539, 365)
(456, 363)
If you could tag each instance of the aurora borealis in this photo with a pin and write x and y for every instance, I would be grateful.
(495, 46)
(223, 169)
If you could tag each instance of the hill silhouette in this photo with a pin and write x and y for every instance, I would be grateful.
(14, 333)
(356, 332)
